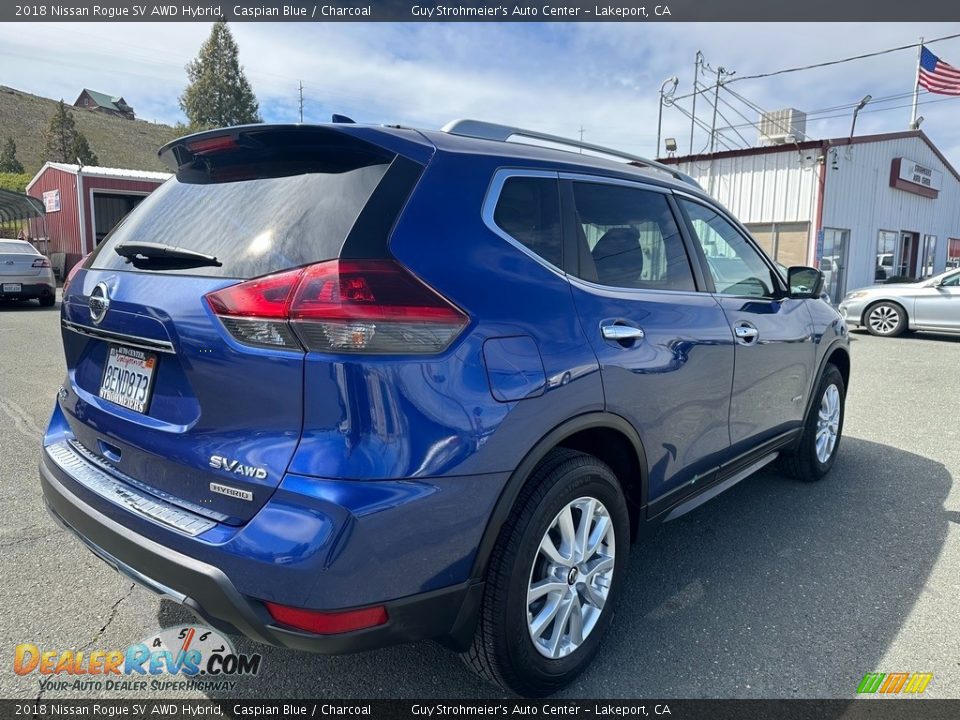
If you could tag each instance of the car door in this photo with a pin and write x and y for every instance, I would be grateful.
(939, 306)
(665, 349)
(774, 341)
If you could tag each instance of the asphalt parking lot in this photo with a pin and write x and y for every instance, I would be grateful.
(773, 590)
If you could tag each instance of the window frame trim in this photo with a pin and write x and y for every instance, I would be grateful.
(492, 199)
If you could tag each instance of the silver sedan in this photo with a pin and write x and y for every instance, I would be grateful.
(25, 273)
(888, 310)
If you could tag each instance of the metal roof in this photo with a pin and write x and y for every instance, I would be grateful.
(111, 102)
(17, 206)
(107, 172)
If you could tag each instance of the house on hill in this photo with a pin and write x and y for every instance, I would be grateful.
(113, 105)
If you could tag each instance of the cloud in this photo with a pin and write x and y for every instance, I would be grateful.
(603, 77)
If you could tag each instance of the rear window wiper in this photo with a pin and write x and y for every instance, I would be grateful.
(147, 252)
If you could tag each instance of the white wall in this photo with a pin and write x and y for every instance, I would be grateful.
(772, 187)
(858, 198)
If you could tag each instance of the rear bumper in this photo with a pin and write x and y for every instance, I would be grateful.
(29, 287)
(446, 614)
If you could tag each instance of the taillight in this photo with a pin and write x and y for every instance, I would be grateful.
(41, 263)
(73, 271)
(349, 306)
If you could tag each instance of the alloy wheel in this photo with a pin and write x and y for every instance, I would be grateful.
(884, 319)
(828, 423)
(571, 577)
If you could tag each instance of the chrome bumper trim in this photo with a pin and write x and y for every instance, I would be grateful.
(120, 493)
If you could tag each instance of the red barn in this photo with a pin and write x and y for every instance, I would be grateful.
(84, 203)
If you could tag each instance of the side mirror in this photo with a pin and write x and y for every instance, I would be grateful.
(804, 282)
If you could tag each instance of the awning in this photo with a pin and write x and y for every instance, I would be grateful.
(17, 206)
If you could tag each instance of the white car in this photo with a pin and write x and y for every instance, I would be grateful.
(26, 274)
(888, 310)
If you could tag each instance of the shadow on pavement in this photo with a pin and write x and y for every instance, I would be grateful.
(774, 589)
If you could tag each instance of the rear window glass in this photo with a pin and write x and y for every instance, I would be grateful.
(253, 227)
(15, 247)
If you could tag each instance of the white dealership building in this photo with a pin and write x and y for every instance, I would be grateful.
(864, 209)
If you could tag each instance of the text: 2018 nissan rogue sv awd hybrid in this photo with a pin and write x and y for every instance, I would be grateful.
(339, 386)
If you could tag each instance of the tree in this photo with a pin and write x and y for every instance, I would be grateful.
(218, 94)
(80, 150)
(64, 143)
(8, 158)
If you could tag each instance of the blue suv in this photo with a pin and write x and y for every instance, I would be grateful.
(337, 386)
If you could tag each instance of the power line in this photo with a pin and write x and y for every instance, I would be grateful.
(844, 60)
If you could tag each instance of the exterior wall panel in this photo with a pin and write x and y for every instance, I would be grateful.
(859, 198)
(63, 227)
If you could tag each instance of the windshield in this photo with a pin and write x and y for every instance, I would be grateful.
(937, 279)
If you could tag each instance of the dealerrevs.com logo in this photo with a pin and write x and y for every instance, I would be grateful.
(188, 657)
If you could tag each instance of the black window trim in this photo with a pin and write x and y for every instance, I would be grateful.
(568, 209)
(781, 290)
(492, 199)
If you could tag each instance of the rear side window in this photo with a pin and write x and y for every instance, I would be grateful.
(252, 226)
(528, 210)
(629, 239)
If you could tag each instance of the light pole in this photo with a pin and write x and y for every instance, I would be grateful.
(856, 111)
(670, 80)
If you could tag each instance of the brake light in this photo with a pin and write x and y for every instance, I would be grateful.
(41, 263)
(350, 306)
(73, 271)
(327, 623)
(211, 145)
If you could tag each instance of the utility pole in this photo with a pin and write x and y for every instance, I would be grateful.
(716, 99)
(693, 115)
(301, 100)
(581, 138)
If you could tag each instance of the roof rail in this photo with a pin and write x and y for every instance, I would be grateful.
(493, 131)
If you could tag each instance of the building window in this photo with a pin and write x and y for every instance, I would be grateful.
(833, 262)
(787, 243)
(953, 253)
(928, 256)
(886, 255)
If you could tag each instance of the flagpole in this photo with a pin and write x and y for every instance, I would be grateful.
(916, 88)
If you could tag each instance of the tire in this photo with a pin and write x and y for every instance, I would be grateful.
(885, 319)
(806, 462)
(48, 300)
(503, 650)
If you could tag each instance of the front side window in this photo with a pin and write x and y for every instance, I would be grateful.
(629, 238)
(528, 210)
(736, 267)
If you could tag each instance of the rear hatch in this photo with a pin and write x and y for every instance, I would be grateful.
(201, 410)
(20, 260)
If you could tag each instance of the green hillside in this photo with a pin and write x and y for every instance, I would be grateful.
(117, 142)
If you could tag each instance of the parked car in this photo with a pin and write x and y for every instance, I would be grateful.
(25, 274)
(339, 386)
(889, 310)
(885, 269)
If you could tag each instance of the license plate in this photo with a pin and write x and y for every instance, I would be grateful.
(128, 377)
(12, 287)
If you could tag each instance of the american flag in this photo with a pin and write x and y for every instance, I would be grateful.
(936, 76)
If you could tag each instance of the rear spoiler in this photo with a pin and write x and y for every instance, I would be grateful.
(272, 149)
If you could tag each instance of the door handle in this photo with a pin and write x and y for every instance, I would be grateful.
(745, 333)
(621, 332)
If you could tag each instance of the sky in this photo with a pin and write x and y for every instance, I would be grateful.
(561, 78)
